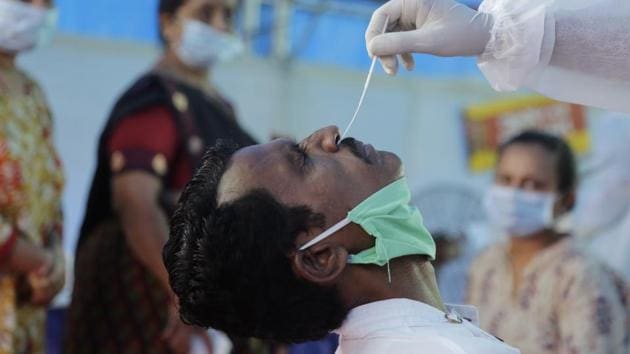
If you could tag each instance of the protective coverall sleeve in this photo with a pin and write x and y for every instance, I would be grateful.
(571, 50)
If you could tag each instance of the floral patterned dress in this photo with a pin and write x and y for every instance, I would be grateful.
(31, 183)
(565, 302)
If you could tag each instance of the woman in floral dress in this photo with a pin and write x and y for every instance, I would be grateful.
(31, 182)
(538, 290)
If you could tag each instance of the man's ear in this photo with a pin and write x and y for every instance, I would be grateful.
(321, 264)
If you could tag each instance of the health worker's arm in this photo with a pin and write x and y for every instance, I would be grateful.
(571, 50)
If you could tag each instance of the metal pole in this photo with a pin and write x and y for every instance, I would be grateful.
(281, 31)
(251, 21)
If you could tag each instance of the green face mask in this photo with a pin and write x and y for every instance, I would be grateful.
(395, 224)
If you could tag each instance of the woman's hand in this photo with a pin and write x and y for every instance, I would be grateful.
(47, 281)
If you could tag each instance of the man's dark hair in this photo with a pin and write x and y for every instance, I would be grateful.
(566, 171)
(229, 264)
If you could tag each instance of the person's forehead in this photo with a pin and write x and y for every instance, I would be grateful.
(531, 152)
(263, 166)
(530, 158)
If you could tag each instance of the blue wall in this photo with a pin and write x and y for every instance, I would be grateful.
(119, 19)
(329, 39)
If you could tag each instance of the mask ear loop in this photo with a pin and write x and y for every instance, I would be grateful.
(326, 234)
(332, 230)
(389, 271)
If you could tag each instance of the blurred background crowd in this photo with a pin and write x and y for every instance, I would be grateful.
(102, 124)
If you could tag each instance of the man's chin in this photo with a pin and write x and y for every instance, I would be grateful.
(392, 163)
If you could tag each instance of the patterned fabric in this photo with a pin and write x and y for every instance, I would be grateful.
(31, 183)
(158, 153)
(112, 288)
(122, 308)
(564, 302)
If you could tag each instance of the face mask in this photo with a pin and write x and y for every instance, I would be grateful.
(20, 25)
(201, 45)
(395, 224)
(519, 213)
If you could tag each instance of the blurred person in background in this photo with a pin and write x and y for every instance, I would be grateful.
(153, 141)
(451, 266)
(31, 183)
(454, 216)
(601, 218)
(538, 291)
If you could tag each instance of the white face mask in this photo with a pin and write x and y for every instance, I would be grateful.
(519, 213)
(201, 45)
(20, 25)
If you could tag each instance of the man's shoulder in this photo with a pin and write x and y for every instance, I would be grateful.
(477, 345)
(428, 344)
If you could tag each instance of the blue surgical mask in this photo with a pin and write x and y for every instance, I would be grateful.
(396, 225)
(519, 213)
(201, 45)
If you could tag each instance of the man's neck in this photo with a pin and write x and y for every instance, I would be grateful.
(411, 278)
(521, 251)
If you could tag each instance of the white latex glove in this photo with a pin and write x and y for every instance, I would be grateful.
(439, 27)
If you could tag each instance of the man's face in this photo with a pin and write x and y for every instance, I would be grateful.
(329, 178)
(299, 295)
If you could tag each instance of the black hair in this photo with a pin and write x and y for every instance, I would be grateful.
(167, 7)
(229, 264)
(566, 170)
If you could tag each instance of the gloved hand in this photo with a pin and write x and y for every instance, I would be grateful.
(439, 27)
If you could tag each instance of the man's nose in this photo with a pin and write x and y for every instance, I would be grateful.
(325, 139)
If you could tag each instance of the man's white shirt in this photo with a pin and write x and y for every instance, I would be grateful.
(403, 326)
